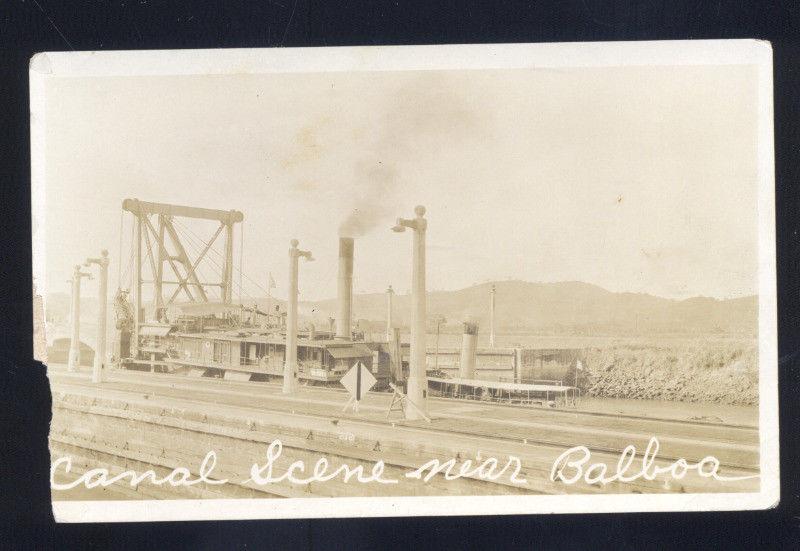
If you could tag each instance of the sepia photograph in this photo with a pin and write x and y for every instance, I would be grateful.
(407, 280)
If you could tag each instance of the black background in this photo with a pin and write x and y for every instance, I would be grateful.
(30, 26)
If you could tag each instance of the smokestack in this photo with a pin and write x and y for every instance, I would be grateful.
(344, 315)
(469, 345)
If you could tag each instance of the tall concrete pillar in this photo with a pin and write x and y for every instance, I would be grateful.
(492, 294)
(98, 371)
(417, 389)
(469, 347)
(389, 296)
(74, 360)
(290, 380)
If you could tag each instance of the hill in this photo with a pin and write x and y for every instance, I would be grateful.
(564, 308)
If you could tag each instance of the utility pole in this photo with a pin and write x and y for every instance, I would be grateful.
(417, 390)
(491, 315)
(439, 321)
(389, 295)
(74, 360)
(270, 285)
(290, 381)
(98, 372)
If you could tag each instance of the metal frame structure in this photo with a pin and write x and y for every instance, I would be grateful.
(188, 279)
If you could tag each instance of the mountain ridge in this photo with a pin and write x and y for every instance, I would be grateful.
(567, 307)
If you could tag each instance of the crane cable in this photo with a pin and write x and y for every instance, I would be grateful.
(127, 273)
(201, 267)
(197, 247)
(212, 249)
(329, 275)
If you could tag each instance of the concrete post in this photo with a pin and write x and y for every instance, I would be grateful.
(98, 371)
(491, 316)
(439, 323)
(389, 295)
(469, 347)
(417, 390)
(74, 360)
(290, 380)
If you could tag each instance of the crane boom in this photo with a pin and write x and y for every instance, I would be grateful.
(144, 207)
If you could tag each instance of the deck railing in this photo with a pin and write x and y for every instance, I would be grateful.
(554, 382)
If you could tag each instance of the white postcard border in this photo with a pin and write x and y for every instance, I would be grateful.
(404, 58)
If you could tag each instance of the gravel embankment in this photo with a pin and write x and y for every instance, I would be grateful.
(726, 374)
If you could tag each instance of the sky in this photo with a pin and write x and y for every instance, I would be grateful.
(636, 179)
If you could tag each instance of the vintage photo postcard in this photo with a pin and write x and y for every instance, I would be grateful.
(394, 281)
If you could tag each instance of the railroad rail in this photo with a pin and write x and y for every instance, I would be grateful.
(254, 389)
(485, 425)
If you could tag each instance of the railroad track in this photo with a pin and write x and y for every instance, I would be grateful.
(739, 443)
(151, 378)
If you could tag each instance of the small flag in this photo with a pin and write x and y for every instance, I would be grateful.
(271, 281)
